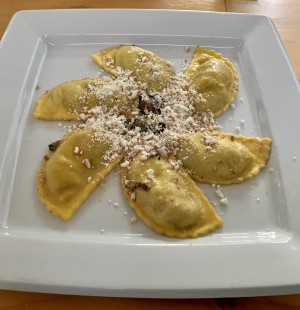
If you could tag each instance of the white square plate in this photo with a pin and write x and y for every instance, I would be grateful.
(99, 252)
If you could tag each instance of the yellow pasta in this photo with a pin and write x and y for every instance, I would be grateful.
(167, 199)
(145, 66)
(214, 78)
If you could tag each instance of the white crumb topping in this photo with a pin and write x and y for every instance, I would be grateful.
(133, 196)
(150, 174)
(219, 193)
(150, 124)
(125, 164)
(214, 203)
(133, 220)
(144, 157)
(175, 163)
(224, 201)
(87, 163)
(238, 129)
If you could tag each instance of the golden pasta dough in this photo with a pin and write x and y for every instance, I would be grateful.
(71, 100)
(145, 66)
(68, 175)
(223, 158)
(167, 199)
(214, 78)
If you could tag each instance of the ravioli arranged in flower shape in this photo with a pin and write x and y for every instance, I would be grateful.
(155, 125)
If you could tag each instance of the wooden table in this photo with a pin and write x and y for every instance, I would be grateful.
(285, 14)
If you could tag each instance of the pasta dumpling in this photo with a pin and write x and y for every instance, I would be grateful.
(214, 78)
(145, 66)
(68, 175)
(223, 158)
(167, 199)
(68, 100)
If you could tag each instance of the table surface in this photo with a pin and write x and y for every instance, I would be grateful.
(285, 14)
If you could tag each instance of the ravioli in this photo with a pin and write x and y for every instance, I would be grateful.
(214, 78)
(68, 100)
(67, 176)
(223, 158)
(146, 67)
(167, 199)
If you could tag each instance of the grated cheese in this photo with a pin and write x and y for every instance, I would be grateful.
(87, 163)
(224, 201)
(154, 129)
(150, 174)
